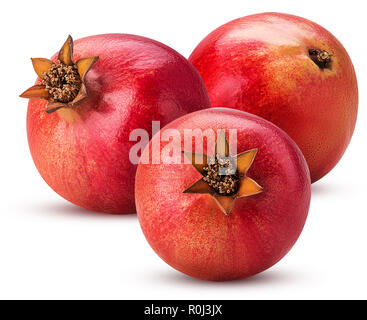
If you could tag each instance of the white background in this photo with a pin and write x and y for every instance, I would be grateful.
(50, 248)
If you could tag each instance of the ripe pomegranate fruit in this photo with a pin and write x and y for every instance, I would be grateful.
(80, 145)
(232, 214)
(289, 71)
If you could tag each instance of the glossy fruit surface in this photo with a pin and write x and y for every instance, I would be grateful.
(289, 71)
(191, 232)
(82, 152)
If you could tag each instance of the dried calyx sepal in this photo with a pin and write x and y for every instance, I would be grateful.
(224, 176)
(62, 83)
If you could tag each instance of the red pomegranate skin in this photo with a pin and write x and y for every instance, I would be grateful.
(83, 153)
(261, 64)
(193, 235)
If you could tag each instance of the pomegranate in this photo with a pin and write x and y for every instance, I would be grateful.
(223, 214)
(81, 113)
(289, 71)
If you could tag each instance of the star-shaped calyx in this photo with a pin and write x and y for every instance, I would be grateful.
(63, 83)
(224, 176)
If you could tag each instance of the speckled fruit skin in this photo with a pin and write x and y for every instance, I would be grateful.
(191, 233)
(83, 154)
(260, 64)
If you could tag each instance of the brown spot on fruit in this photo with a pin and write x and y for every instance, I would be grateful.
(321, 58)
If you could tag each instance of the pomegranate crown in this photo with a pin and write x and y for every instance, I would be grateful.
(224, 177)
(62, 83)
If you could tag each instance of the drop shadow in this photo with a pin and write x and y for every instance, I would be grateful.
(71, 210)
(269, 277)
(327, 188)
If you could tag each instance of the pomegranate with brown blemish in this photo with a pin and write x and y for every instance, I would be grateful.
(289, 71)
